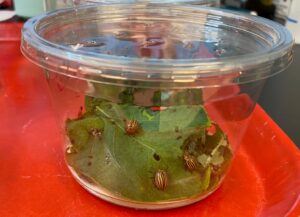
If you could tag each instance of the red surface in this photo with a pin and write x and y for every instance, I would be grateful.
(34, 180)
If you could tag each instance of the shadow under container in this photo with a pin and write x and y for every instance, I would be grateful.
(153, 100)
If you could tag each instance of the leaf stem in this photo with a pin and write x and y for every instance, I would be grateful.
(214, 151)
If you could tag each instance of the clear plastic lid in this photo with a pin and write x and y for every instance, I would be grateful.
(157, 45)
(56, 4)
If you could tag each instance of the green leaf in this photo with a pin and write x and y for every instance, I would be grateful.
(126, 96)
(125, 165)
(108, 92)
(217, 158)
(206, 178)
(96, 165)
(177, 97)
(87, 123)
(203, 159)
(78, 137)
(147, 96)
(135, 155)
(91, 103)
(79, 130)
(174, 117)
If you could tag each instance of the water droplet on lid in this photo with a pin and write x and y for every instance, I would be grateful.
(76, 46)
(76, 2)
(93, 43)
(189, 45)
(122, 35)
(152, 42)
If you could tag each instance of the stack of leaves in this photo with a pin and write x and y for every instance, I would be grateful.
(172, 141)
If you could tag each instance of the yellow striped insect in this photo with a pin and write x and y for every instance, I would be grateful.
(190, 162)
(161, 179)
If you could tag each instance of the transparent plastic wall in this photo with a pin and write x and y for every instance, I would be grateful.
(56, 4)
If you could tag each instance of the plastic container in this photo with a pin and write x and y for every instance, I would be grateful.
(56, 4)
(153, 100)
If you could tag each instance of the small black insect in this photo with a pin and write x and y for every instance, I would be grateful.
(179, 137)
(156, 156)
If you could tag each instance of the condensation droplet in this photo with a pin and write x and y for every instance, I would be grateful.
(93, 43)
(76, 46)
(152, 42)
(122, 35)
(188, 45)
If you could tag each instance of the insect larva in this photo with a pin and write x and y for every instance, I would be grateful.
(161, 180)
(96, 132)
(131, 127)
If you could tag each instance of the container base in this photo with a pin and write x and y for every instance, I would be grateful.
(121, 201)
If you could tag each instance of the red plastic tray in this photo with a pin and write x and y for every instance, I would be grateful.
(34, 180)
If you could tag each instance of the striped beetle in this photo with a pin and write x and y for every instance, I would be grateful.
(190, 161)
(161, 179)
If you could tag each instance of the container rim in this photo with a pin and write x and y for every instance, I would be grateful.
(92, 66)
(197, 2)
